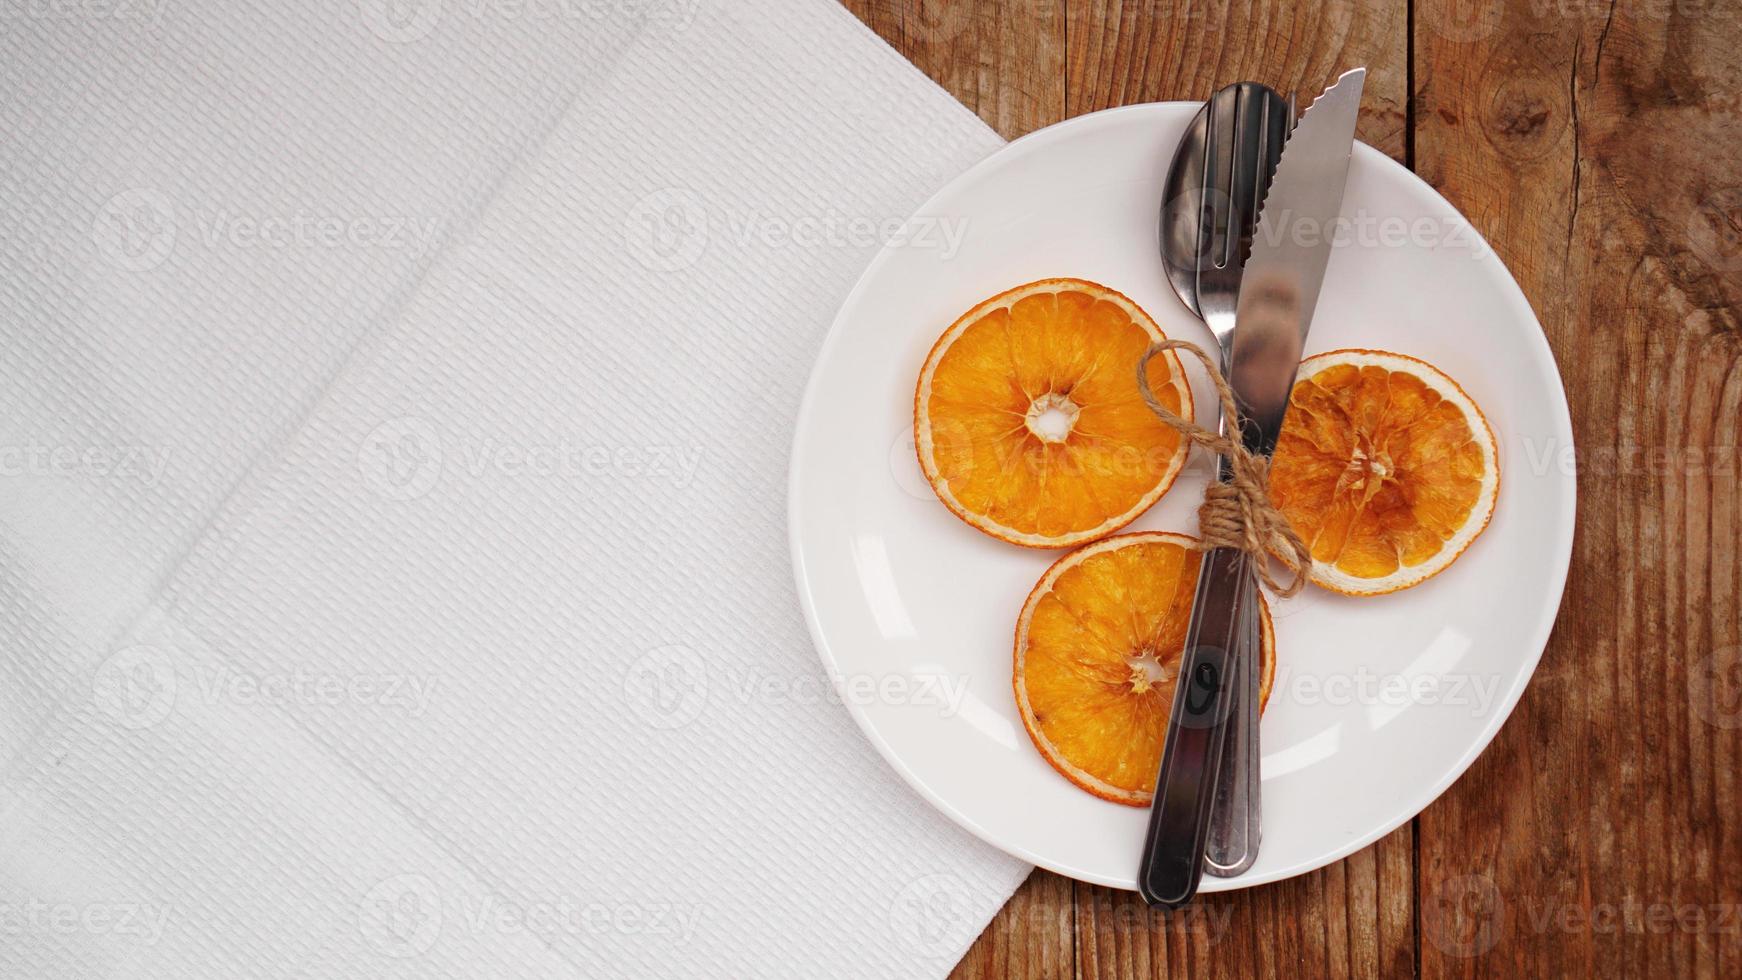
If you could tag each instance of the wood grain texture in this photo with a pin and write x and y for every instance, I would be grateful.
(1034, 935)
(1004, 60)
(1354, 918)
(1593, 143)
(1599, 833)
(1120, 53)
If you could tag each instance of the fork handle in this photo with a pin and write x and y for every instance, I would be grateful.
(1197, 728)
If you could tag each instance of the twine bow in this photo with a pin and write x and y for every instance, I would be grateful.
(1239, 513)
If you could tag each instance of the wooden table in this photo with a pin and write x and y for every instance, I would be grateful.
(1595, 143)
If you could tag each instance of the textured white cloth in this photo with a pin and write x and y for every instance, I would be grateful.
(394, 413)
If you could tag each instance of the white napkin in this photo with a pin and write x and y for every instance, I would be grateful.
(394, 418)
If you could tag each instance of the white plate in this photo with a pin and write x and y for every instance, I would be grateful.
(1379, 704)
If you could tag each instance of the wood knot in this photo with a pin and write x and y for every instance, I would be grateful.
(1524, 117)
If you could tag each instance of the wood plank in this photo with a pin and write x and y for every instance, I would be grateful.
(1034, 935)
(1002, 58)
(1353, 918)
(1598, 835)
(1119, 53)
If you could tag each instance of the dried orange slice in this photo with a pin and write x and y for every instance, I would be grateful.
(1028, 421)
(1098, 648)
(1386, 469)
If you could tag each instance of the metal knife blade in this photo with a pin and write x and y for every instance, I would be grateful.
(1290, 249)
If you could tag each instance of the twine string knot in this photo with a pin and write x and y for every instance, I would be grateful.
(1237, 513)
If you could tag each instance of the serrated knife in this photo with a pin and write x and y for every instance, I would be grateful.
(1279, 289)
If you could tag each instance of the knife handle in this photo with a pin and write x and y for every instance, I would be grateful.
(1197, 728)
(1235, 820)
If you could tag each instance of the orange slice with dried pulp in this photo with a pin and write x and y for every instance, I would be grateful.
(1098, 648)
(1027, 418)
(1385, 467)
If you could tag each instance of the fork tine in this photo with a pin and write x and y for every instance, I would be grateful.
(1206, 219)
(1243, 184)
(1230, 221)
(1222, 148)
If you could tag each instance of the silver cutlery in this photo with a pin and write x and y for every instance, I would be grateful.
(1206, 230)
(1267, 311)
